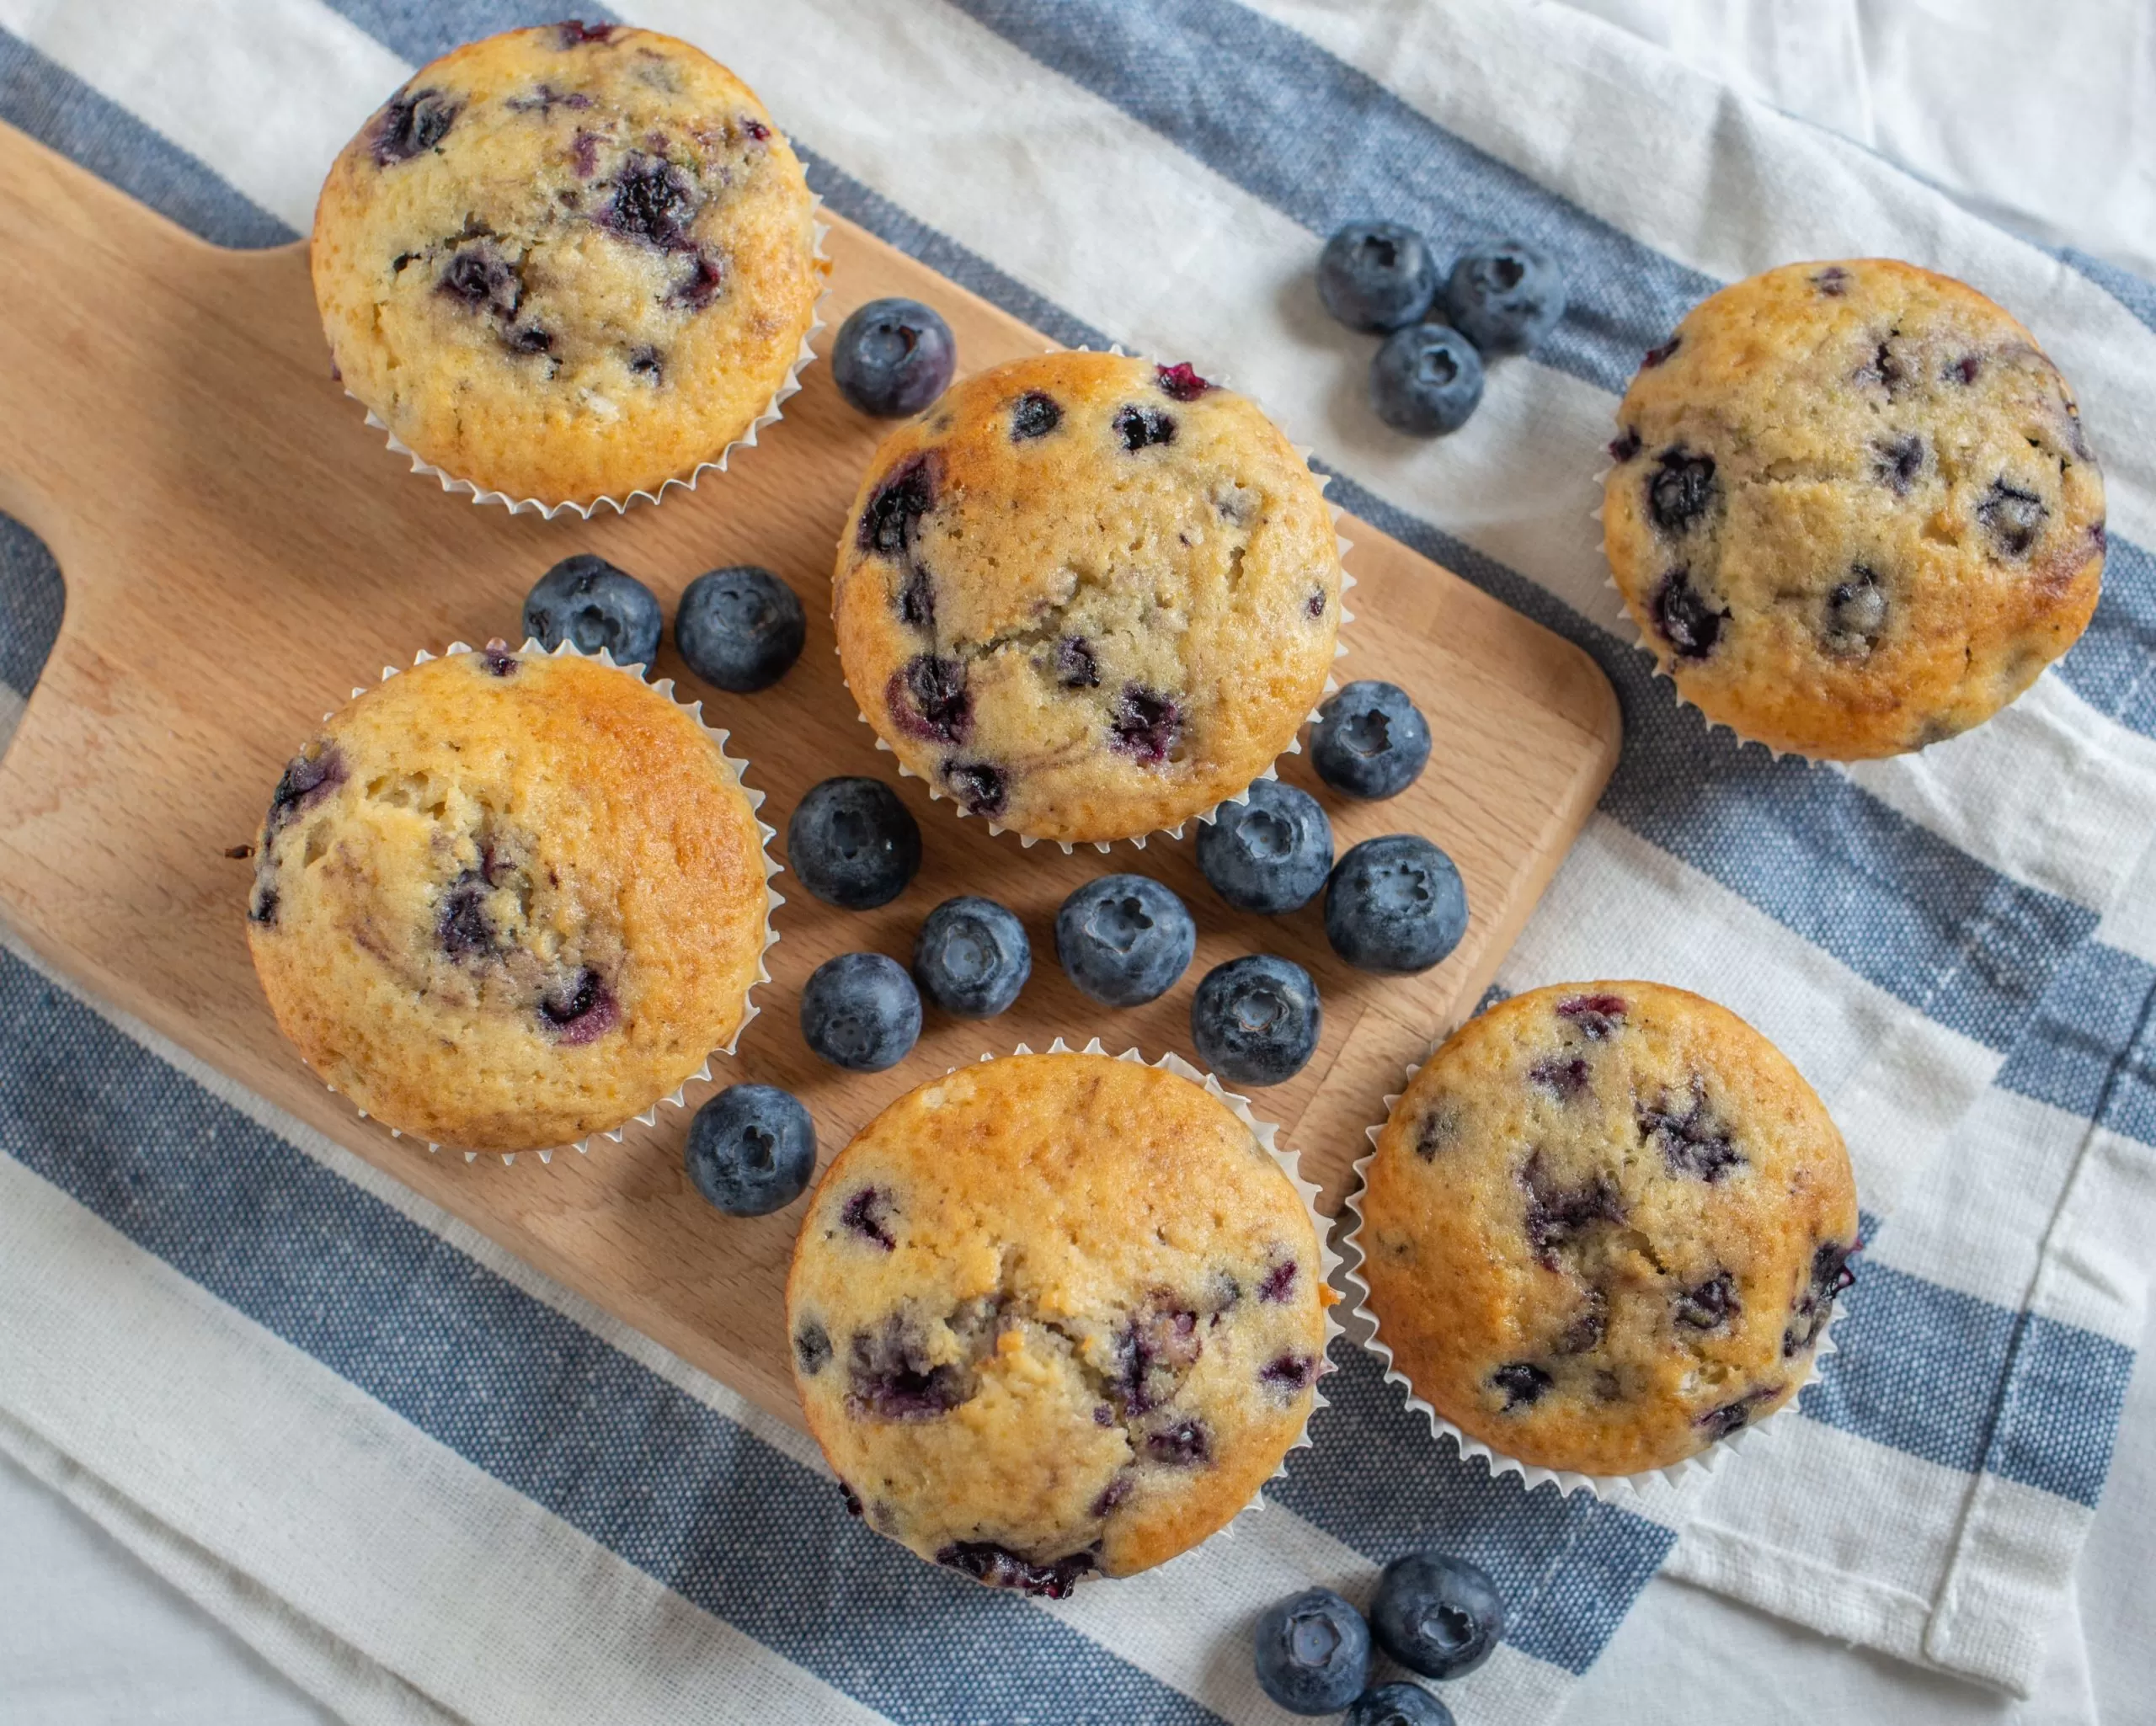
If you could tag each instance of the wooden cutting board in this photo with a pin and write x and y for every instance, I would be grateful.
(240, 551)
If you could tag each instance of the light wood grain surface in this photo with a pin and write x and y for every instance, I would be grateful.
(240, 551)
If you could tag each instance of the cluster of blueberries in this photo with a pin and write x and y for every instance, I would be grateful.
(1393, 904)
(1436, 1614)
(1501, 297)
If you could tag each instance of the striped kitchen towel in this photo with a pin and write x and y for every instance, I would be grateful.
(432, 1485)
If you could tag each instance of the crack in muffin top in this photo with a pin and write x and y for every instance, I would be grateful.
(504, 901)
(1065, 1308)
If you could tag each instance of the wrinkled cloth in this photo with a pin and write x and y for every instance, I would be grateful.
(429, 1485)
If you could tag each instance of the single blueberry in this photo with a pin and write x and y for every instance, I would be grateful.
(1504, 296)
(1856, 615)
(1398, 1705)
(413, 123)
(752, 1150)
(1313, 1652)
(1269, 855)
(1436, 1614)
(1681, 489)
(1255, 1020)
(861, 1011)
(971, 957)
(586, 600)
(853, 843)
(1685, 616)
(1376, 276)
(999, 1567)
(1426, 380)
(892, 358)
(1370, 740)
(740, 628)
(654, 201)
(1124, 939)
(1395, 904)
(2012, 516)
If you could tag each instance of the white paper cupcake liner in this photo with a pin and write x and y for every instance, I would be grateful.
(1290, 1162)
(772, 898)
(1606, 1487)
(773, 411)
(1208, 816)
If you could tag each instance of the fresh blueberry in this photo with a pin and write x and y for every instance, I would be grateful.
(586, 601)
(740, 628)
(1376, 276)
(1270, 854)
(1124, 939)
(861, 1011)
(1395, 904)
(1504, 296)
(1436, 1614)
(1370, 740)
(853, 843)
(892, 358)
(971, 957)
(1313, 1652)
(752, 1150)
(1398, 1705)
(1255, 1020)
(1426, 380)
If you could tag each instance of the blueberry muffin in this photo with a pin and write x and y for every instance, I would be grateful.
(1087, 596)
(502, 901)
(1852, 512)
(1604, 1227)
(1055, 1315)
(568, 262)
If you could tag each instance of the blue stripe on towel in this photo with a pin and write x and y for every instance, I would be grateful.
(2090, 1048)
(516, 1389)
(1968, 1385)
(60, 110)
(1321, 142)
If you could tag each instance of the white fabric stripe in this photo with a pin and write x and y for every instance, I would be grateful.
(265, 96)
(368, 1526)
(2049, 793)
(1865, 1565)
(360, 1691)
(1894, 1080)
(2015, 1560)
(1716, 182)
(712, 1391)
(1515, 482)
(1270, 1553)
(1968, 1222)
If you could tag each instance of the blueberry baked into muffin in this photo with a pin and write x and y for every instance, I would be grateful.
(568, 262)
(1605, 1226)
(502, 901)
(1087, 596)
(1853, 510)
(1055, 1315)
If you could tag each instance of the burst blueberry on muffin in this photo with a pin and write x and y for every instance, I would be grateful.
(1605, 1226)
(1853, 510)
(568, 262)
(1055, 1315)
(502, 901)
(1087, 596)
